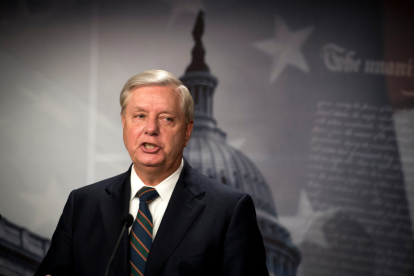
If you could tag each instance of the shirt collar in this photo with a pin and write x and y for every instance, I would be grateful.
(164, 189)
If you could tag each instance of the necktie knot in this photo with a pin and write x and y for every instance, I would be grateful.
(147, 194)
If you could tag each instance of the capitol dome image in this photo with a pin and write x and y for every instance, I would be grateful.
(209, 153)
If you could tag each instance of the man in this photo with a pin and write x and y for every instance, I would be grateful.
(191, 225)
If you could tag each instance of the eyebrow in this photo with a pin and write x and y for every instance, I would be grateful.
(137, 108)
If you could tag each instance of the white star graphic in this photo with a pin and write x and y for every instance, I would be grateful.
(307, 224)
(238, 143)
(44, 205)
(181, 6)
(285, 48)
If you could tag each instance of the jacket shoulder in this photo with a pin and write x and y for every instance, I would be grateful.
(220, 192)
(105, 186)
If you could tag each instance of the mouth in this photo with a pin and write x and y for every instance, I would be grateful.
(149, 146)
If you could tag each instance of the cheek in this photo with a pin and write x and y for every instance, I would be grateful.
(132, 134)
(177, 141)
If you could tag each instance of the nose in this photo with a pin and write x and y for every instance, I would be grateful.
(151, 127)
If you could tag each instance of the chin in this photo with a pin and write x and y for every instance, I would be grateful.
(150, 162)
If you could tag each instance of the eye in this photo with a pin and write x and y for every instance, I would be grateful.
(168, 119)
(140, 116)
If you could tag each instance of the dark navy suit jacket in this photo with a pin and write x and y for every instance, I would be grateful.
(208, 229)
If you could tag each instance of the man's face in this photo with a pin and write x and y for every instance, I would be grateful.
(154, 128)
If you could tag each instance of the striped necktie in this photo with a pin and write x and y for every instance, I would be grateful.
(140, 237)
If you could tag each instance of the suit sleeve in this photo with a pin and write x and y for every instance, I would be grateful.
(244, 252)
(59, 258)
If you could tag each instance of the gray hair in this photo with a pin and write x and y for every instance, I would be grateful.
(158, 78)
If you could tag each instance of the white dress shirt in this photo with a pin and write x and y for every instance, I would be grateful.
(158, 206)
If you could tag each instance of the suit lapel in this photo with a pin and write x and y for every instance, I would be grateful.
(181, 212)
(112, 207)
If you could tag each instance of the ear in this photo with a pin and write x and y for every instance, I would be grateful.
(188, 131)
(123, 121)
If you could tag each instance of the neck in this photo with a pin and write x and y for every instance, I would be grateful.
(152, 176)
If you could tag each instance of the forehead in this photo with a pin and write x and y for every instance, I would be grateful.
(154, 97)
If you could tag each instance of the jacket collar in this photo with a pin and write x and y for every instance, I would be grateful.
(182, 210)
(113, 205)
